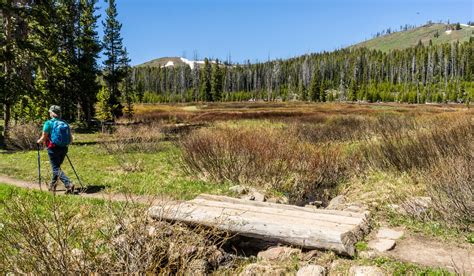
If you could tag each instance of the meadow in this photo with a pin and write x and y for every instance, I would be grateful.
(381, 156)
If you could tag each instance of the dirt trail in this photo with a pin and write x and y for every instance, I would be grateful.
(100, 194)
(431, 253)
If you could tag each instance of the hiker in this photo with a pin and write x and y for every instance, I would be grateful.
(57, 136)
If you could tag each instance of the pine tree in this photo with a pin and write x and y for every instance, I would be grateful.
(15, 80)
(205, 82)
(302, 91)
(128, 88)
(114, 71)
(88, 48)
(314, 88)
(104, 110)
(216, 82)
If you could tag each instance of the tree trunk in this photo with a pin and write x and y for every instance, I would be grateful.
(6, 118)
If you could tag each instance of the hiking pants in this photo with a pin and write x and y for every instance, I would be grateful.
(56, 158)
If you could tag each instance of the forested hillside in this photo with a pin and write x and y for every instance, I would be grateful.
(424, 73)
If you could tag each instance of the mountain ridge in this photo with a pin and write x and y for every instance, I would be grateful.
(437, 33)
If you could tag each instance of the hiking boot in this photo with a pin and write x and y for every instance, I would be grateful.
(70, 189)
(52, 186)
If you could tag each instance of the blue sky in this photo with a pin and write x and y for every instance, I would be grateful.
(262, 29)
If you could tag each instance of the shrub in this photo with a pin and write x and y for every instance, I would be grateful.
(53, 237)
(24, 136)
(265, 157)
(419, 144)
(451, 186)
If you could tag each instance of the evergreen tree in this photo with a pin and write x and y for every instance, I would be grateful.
(302, 91)
(216, 81)
(88, 48)
(205, 82)
(15, 76)
(115, 65)
(314, 88)
(104, 110)
(128, 88)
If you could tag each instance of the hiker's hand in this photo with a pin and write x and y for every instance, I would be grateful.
(40, 140)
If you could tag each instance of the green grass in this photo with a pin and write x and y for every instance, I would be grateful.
(402, 268)
(161, 174)
(8, 192)
(429, 228)
(410, 38)
(361, 246)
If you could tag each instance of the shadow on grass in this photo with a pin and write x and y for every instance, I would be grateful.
(91, 189)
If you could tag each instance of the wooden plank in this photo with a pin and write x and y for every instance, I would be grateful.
(333, 220)
(263, 227)
(299, 226)
(283, 206)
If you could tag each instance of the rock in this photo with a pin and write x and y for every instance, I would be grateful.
(263, 269)
(258, 196)
(240, 190)
(335, 264)
(354, 208)
(151, 230)
(280, 200)
(365, 271)
(370, 254)
(278, 253)
(188, 250)
(196, 267)
(381, 245)
(254, 195)
(316, 203)
(337, 203)
(311, 270)
(215, 258)
(78, 253)
(387, 233)
(416, 206)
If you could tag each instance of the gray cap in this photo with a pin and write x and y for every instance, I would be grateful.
(55, 109)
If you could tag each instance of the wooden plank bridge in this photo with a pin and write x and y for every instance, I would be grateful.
(305, 227)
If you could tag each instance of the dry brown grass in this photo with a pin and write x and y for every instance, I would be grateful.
(336, 128)
(288, 111)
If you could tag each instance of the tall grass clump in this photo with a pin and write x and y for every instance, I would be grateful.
(52, 236)
(268, 158)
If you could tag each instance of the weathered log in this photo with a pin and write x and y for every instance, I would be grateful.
(299, 226)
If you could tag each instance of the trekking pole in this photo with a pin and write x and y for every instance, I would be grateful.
(80, 183)
(39, 166)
